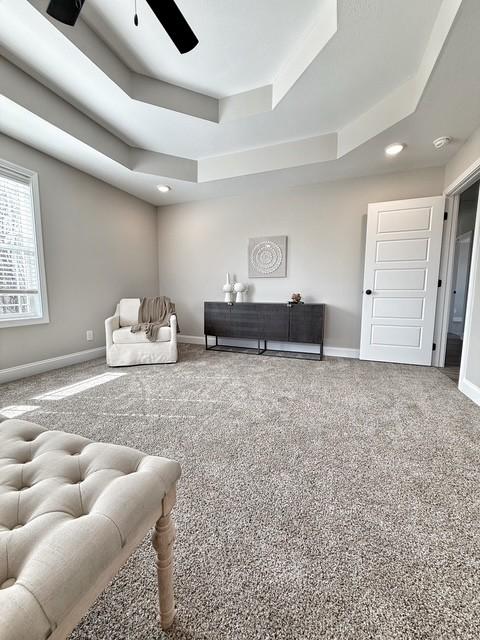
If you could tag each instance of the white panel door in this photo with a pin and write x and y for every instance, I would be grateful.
(402, 260)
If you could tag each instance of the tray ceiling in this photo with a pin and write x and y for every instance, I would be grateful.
(270, 91)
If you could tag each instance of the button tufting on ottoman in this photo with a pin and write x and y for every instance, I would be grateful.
(71, 512)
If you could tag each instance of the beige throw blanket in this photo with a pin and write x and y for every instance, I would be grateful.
(153, 314)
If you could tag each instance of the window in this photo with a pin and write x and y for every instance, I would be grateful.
(23, 295)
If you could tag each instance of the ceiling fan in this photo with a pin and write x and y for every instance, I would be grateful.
(167, 12)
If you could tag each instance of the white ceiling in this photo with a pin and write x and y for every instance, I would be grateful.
(361, 78)
(242, 44)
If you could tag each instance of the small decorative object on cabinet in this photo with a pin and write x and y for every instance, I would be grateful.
(228, 290)
(296, 298)
(267, 257)
(241, 290)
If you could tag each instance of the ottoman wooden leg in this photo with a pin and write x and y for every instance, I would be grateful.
(162, 540)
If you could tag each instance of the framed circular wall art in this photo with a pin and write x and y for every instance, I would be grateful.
(267, 257)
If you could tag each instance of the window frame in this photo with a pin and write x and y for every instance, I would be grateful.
(30, 177)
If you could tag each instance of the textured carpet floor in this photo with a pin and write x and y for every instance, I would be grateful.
(333, 500)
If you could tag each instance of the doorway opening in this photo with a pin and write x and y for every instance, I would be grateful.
(467, 212)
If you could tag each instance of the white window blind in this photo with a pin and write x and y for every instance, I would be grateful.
(20, 274)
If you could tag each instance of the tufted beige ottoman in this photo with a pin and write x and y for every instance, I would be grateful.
(71, 513)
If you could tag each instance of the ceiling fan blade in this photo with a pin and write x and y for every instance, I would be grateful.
(66, 11)
(174, 24)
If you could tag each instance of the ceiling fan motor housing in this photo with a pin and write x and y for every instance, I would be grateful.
(66, 11)
(166, 11)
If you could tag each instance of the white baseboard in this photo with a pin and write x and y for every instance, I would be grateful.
(33, 368)
(339, 352)
(190, 339)
(470, 390)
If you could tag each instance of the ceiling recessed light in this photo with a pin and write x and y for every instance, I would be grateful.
(164, 188)
(394, 149)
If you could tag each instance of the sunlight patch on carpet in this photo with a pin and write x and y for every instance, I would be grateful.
(16, 410)
(78, 387)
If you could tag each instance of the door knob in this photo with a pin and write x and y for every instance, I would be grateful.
(368, 292)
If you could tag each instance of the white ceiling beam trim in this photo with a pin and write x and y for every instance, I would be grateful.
(248, 103)
(396, 106)
(441, 29)
(264, 99)
(313, 42)
(22, 89)
(169, 96)
(49, 109)
(23, 125)
(49, 49)
(161, 164)
(404, 100)
(272, 158)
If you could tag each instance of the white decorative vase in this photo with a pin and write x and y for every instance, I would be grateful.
(228, 290)
(240, 289)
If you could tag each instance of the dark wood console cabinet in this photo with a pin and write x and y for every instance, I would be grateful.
(263, 322)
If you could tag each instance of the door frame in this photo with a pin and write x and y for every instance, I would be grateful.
(444, 300)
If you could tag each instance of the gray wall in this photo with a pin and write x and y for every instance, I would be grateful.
(466, 156)
(468, 153)
(325, 224)
(100, 245)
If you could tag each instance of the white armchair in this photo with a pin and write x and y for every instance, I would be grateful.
(125, 348)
